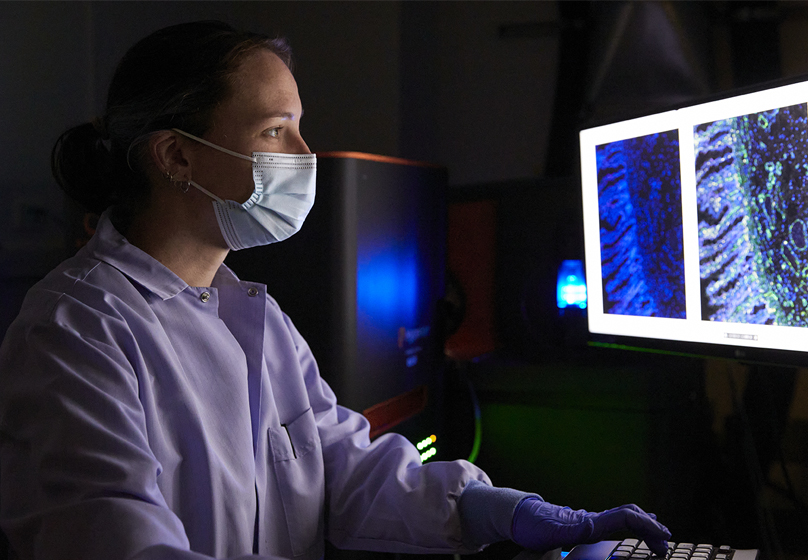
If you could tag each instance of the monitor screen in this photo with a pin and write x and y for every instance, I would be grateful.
(696, 224)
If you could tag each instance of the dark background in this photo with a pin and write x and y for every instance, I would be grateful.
(495, 91)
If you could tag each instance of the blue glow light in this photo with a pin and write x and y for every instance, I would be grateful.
(387, 286)
(571, 285)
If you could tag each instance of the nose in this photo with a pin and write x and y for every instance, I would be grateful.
(300, 146)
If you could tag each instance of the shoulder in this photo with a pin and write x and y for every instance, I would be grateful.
(74, 329)
(83, 294)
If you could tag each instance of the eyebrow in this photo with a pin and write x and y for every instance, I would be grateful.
(283, 114)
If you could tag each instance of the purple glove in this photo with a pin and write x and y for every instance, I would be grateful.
(538, 525)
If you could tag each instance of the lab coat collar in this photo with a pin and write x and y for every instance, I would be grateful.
(109, 246)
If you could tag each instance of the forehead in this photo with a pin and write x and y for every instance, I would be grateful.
(261, 86)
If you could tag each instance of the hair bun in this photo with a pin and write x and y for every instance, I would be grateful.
(82, 165)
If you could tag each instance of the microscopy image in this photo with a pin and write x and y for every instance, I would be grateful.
(640, 208)
(752, 209)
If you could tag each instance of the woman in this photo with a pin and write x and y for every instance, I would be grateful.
(153, 405)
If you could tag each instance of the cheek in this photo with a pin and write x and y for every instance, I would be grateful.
(231, 180)
(238, 184)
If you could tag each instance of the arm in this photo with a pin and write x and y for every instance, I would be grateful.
(379, 496)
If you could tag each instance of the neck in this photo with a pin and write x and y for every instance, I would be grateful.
(178, 242)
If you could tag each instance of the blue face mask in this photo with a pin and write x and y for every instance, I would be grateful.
(284, 194)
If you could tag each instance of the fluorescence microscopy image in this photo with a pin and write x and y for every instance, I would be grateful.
(751, 174)
(640, 209)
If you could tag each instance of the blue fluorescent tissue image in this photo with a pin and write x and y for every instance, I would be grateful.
(752, 210)
(640, 210)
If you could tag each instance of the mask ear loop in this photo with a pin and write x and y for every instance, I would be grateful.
(204, 190)
(214, 146)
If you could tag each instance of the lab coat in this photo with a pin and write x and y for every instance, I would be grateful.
(141, 417)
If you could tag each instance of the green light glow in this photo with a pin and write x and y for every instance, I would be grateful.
(428, 453)
(478, 437)
(423, 444)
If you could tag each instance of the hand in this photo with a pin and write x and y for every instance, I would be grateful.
(538, 525)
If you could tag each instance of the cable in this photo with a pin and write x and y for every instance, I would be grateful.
(478, 423)
(460, 368)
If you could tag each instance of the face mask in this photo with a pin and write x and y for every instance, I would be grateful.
(283, 197)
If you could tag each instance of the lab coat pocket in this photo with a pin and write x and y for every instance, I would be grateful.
(299, 470)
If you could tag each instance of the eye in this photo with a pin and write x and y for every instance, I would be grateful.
(273, 132)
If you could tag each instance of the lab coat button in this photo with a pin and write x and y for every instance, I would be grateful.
(205, 297)
(252, 292)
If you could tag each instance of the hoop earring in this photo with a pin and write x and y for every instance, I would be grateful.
(183, 185)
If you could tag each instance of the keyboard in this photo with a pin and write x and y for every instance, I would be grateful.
(632, 549)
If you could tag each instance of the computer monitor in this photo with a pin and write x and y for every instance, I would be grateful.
(696, 227)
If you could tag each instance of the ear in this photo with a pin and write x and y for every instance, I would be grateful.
(166, 149)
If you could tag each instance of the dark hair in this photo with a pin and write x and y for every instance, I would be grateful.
(174, 78)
